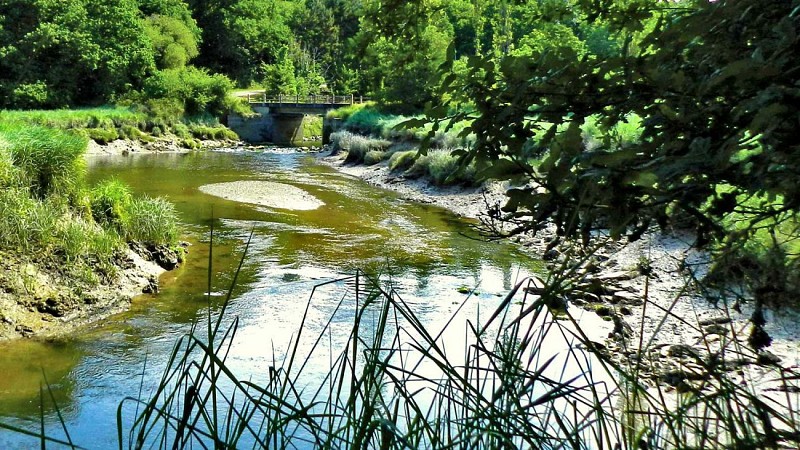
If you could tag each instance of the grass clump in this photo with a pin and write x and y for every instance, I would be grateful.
(152, 220)
(211, 132)
(110, 201)
(356, 146)
(374, 157)
(50, 162)
(402, 161)
(442, 168)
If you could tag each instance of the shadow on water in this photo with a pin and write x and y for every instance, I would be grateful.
(423, 249)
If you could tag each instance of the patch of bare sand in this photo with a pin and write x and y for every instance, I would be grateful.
(264, 193)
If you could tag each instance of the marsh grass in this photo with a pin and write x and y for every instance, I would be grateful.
(47, 213)
(523, 375)
(152, 220)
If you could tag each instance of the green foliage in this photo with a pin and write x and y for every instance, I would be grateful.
(174, 44)
(110, 203)
(104, 117)
(402, 161)
(102, 135)
(63, 53)
(151, 220)
(195, 90)
(312, 126)
(441, 168)
(50, 161)
(217, 133)
(374, 157)
(356, 146)
(346, 111)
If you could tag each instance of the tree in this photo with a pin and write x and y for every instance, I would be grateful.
(715, 85)
(58, 53)
(239, 36)
(173, 42)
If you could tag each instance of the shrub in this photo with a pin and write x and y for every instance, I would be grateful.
(402, 161)
(152, 220)
(193, 89)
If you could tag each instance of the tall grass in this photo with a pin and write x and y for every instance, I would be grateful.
(49, 160)
(152, 220)
(47, 213)
(525, 375)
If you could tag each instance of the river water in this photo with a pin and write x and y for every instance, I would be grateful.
(428, 253)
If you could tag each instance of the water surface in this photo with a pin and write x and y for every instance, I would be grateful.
(427, 252)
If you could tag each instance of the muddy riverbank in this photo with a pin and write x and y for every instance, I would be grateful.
(42, 297)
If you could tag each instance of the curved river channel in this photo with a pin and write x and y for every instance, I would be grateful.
(426, 250)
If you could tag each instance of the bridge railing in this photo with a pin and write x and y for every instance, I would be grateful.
(306, 99)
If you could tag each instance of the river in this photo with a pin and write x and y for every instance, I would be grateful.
(426, 251)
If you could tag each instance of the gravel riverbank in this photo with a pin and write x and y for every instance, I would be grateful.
(645, 289)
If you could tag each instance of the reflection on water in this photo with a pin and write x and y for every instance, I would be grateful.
(421, 248)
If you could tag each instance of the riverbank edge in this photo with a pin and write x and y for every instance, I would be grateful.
(32, 290)
(643, 287)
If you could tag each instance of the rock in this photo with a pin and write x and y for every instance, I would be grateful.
(625, 311)
(682, 351)
(551, 255)
(618, 275)
(620, 327)
(766, 358)
(715, 321)
(625, 297)
(716, 329)
(602, 310)
(151, 287)
(24, 330)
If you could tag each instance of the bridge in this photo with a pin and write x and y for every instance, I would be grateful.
(281, 118)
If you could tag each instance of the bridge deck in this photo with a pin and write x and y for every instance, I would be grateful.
(305, 101)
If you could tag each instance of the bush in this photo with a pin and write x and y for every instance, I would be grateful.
(194, 90)
(152, 220)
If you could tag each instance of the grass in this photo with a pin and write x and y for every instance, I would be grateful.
(152, 220)
(47, 212)
(395, 383)
(525, 375)
(107, 124)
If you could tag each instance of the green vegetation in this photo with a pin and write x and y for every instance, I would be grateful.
(46, 211)
(520, 378)
(108, 124)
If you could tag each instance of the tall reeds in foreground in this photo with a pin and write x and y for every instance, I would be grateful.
(525, 376)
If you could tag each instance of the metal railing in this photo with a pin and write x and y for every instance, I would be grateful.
(306, 99)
